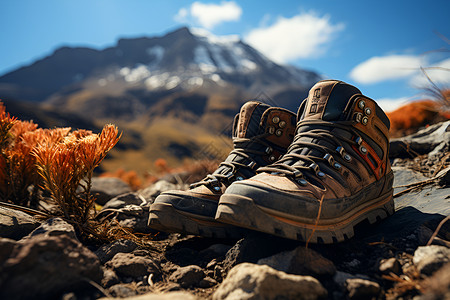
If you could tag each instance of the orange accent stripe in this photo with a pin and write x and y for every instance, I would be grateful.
(375, 169)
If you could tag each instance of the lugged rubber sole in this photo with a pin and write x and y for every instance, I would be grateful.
(164, 217)
(244, 212)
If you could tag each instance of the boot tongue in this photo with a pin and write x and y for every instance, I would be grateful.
(248, 122)
(327, 101)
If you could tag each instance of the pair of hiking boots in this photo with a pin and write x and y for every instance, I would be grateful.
(311, 176)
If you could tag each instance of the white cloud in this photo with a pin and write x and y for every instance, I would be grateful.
(391, 104)
(181, 15)
(302, 36)
(439, 73)
(382, 68)
(209, 15)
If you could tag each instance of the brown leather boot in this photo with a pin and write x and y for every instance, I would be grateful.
(261, 134)
(335, 174)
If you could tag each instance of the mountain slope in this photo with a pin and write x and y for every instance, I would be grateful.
(185, 78)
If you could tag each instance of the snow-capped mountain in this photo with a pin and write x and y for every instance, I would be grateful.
(182, 59)
(172, 95)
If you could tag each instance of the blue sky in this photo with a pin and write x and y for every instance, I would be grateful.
(379, 46)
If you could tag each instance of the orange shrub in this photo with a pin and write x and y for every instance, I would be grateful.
(410, 117)
(161, 165)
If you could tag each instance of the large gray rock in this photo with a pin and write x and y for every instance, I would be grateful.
(130, 265)
(15, 224)
(44, 266)
(188, 276)
(123, 200)
(54, 227)
(362, 289)
(429, 259)
(106, 188)
(250, 281)
(300, 261)
(435, 137)
(427, 204)
(151, 192)
(106, 252)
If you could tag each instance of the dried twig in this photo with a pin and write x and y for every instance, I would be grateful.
(435, 233)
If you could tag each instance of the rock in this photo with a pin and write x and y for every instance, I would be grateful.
(134, 217)
(54, 227)
(250, 281)
(437, 287)
(127, 264)
(106, 252)
(207, 282)
(15, 224)
(122, 290)
(109, 278)
(165, 296)
(390, 265)
(106, 188)
(214, 251)
(150, 193)
(45, 266)
(427, 204)
(6, 247)
(254, 247)
(300, 261)
(340, 278)
(429, 259)
(188, 276)
(362, 289)
(123, 200)
(405, 176)
(129, 210)
(422, 142)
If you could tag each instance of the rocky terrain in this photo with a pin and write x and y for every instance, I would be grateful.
(406, 256)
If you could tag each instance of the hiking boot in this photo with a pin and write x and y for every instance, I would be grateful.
(261, 134)
(335, 174)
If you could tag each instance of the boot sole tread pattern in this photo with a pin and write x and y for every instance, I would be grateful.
(242, 211)
(164, 217)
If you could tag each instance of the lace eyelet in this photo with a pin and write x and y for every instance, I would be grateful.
(363, 150)
(321, 174)
(302, 181)
(217, 188)
(328, 157)
(361, 104)
(239, 178)
(337, 166)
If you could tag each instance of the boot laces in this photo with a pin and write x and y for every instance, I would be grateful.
(294, 165)
(244, 148)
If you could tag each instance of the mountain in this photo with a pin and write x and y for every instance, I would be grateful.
(187, 76)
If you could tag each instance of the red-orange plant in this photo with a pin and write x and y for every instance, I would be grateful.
(68, 165)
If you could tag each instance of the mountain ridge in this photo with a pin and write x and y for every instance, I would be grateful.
(186, 77)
